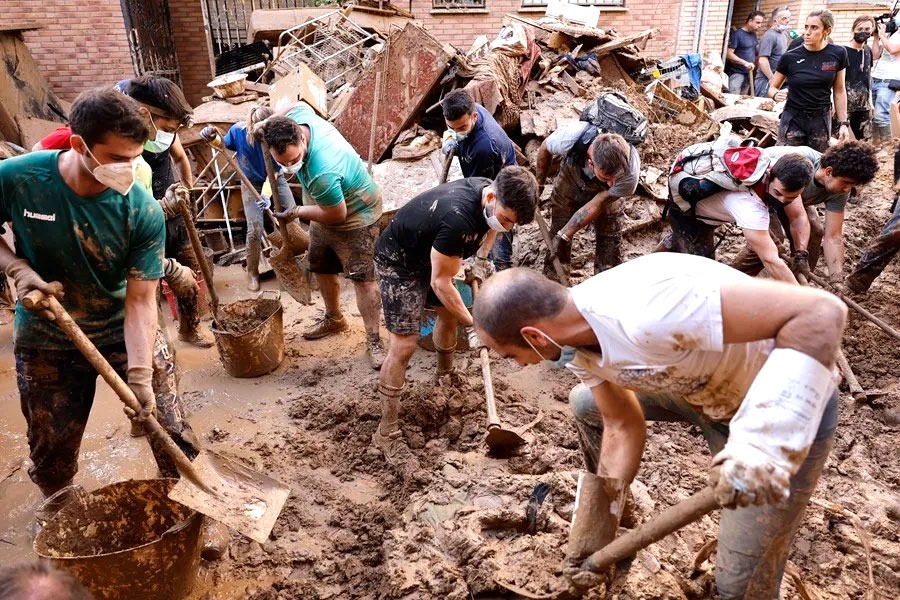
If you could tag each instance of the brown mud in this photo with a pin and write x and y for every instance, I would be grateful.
(468, 525)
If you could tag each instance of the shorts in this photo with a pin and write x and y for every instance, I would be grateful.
(332, 252)
(403, 299)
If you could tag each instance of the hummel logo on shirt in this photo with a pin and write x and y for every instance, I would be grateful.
(38, 216)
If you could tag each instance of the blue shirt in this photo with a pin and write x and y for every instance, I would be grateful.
(249, 156)
(486, 149)
(744, 45)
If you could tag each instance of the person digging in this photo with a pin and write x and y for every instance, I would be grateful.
(343, 216)
(417, 257)
(676, 337)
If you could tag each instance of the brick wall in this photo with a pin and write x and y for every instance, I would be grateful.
(193, 48)
(77, 49)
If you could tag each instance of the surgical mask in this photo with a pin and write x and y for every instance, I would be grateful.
(493, 222)
(161, 143)
(781, 28)
(566, 353)
(461, 136)
(118, 176)
(291, 169)
(860, 37)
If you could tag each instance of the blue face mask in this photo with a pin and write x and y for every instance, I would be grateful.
(566, 353)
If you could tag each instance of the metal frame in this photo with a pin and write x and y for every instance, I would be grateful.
(148, 26)
(332, 46)
(228, 19)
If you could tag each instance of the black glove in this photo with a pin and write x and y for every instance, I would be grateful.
(801, 262)
(209, 133)
(557, 244)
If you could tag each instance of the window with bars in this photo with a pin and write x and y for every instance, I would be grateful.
(542, 3)
(458, 4)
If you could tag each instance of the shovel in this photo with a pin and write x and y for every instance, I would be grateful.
(289, 273)
(500, 441)
(201, 260)
(244, 500)
(545, 233)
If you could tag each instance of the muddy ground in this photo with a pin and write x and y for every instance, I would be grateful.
(459, 528)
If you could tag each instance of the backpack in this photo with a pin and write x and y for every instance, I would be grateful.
(728, 162)
(610, 113)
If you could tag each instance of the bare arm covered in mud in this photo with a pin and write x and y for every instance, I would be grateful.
(624, 431)
(443, 269)
(796, 214)
(805, 319)
(586, 215)
(140, 321)
(761, 243)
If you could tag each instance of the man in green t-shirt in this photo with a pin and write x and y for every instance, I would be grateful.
(343, 216)
(79, 220)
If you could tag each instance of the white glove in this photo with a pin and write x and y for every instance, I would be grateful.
(264, 203)
(474, 340)
(772, 431)
(448, 141)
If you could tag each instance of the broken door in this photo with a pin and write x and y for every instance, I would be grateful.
(150, 38)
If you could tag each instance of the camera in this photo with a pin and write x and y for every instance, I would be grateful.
(887, 19)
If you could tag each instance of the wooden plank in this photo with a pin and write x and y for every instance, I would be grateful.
(259, 88)
(625, 41)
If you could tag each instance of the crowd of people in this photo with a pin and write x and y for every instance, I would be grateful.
(668, 336)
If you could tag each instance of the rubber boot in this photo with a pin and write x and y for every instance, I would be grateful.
(599, 504)
(254, 247)
(444, 360)
(880, 133)
(388, 437)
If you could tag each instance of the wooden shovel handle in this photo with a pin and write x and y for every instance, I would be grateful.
(545, 233)
(212, 296)
(65, 322)
(493, 419)
(669, 521)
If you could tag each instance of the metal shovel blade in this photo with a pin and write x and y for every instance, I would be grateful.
(244, 500)
(502, 442)
(290, 275)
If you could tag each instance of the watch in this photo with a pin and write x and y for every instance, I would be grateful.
(844, 124)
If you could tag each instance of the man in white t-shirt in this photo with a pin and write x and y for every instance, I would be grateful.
(781, 187)
(673, 337)
(886, 52)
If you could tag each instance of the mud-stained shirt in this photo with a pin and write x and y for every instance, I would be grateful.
(90, 245)
(333, 172)
(658, 322)
(448, 218)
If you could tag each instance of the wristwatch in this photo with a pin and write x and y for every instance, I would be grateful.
(844, 124)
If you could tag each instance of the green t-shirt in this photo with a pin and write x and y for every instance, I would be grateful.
(90, 245)
(333, 172)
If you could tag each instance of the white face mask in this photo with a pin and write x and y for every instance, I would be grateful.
(493, 222)
(290, 170)
(566, 353)
(161, 143)
(118, 176)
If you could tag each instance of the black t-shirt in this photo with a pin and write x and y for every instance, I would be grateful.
(448, 218)
(810, 76)
(859, 78)
(163, 174)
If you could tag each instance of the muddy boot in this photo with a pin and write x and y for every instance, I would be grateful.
(197, 337)
(375, 350)
(254, 247)
(216, 538)
(387, 437)
(444, 361)
(325, 326)
(880, 133)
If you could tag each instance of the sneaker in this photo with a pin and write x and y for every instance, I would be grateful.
(326, 326)
(199, 337)
(396, 453)
(375, 350)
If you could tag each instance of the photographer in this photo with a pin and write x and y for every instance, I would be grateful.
(886, 50)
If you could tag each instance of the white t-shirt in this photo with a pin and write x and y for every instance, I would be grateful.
(888, 66)
(658, 321)
(742, 208)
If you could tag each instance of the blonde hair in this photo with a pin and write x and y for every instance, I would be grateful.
(825, 16)
(258, 114)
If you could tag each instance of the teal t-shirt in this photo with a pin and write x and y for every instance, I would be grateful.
(90, 245)
(333, 172)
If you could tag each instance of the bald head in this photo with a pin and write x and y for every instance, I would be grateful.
(516, 298)
(39, 581)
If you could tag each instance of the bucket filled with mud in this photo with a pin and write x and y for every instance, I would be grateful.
(250, 335)
(127, 540)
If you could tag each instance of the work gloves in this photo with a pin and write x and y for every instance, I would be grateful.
(474, 341)
(448, 142)
(27, 280)
(264, 203)
(557, 245)
(801, 262)
(478, 269)
(171, 202)
(140, 380)
(181, 279)
(210, 135)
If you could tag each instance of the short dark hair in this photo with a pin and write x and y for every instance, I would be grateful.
(609, 152)
(162, 94)
(516, 188)
(457, 104)
(854, 160)
(516, 298)
(278, 133)
(754, 14)
(793, 170)
(98, 113)
(39, 581)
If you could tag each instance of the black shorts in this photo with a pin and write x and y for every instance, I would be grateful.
(403, 299)
(332, 252)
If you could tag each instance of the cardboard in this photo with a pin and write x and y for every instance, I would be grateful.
(301, 85)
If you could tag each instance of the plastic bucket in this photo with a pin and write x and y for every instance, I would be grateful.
(202, 303)
(426, 331)
(126, 541)
(252, 340)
